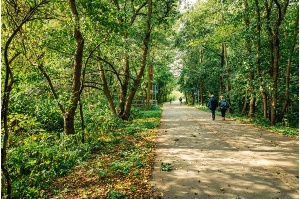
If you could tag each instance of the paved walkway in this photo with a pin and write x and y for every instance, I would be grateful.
(222, 159)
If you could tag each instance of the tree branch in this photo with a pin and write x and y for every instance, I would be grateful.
(41, 68)
(136, 12)
(86, 62)
(112, 67)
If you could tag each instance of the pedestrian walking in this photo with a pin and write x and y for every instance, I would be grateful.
(180, 100)
(170, 100)
(212, 104)
(224, 105)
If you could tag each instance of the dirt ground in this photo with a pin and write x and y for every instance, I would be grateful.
(222, 159)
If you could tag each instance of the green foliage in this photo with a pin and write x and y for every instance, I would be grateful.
(49, 115)
(36, 160)
(121, 167)
(20, 123)
(201, 38)
(135, 113)
(165, 167)
(129, 162)
(116, 195)
(143, 120)
(151, 114)
(280, 127)
(102, 173)
(100, 120)
(150, 123)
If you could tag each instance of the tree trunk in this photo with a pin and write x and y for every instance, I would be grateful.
(201, 90)
(77, 66)
(245, 106)
(4, 114)
(275, 54)
(221, 72)
(252, 99)
(288, 70)
(200, 79)
(150, 79)
(82, 121)
(8, 86)
(258, 60)
(106, 90)
(228, 88)
(136, 82)
(124, 85)
(186, 98)
(274, 91)
(252, 107)
(251, 75)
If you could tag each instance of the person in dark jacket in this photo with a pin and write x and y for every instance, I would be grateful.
(223, 104)
(212, 105)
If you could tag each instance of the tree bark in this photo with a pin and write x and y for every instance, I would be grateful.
(221, 71)
(107, 91)
(149, 87)
(77, 66)
(228, 88)
(201, 91)
(124, 85)
(288, 69)
(258, 61)
(186, 98)
(249, 92)
(82, 121)
(245, 106)
(8, 86)
(275, 54)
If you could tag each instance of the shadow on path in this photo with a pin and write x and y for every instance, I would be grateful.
(222, 159)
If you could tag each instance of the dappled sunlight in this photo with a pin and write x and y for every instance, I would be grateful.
(214, 169)
(222, 159)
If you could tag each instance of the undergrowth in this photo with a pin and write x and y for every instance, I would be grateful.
(37, 160)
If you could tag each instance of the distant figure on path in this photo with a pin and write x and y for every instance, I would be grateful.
(170, 100)
(212, 105)
(224, 105)
(180, 100)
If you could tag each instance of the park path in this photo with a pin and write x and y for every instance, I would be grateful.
(222, 159)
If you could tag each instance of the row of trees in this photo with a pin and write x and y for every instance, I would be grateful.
(61, 55)
(246, 50)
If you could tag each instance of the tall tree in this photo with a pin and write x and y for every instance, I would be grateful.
(288, 68)
(77, 66)
(139, 22)
(256, 72)
(18, 17)
(258, 59)
(248, 45)
(273, 27)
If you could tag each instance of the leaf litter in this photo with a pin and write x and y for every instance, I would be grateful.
(119, 170)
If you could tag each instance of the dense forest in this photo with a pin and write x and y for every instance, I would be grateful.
(245, 50)
(73, 71)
